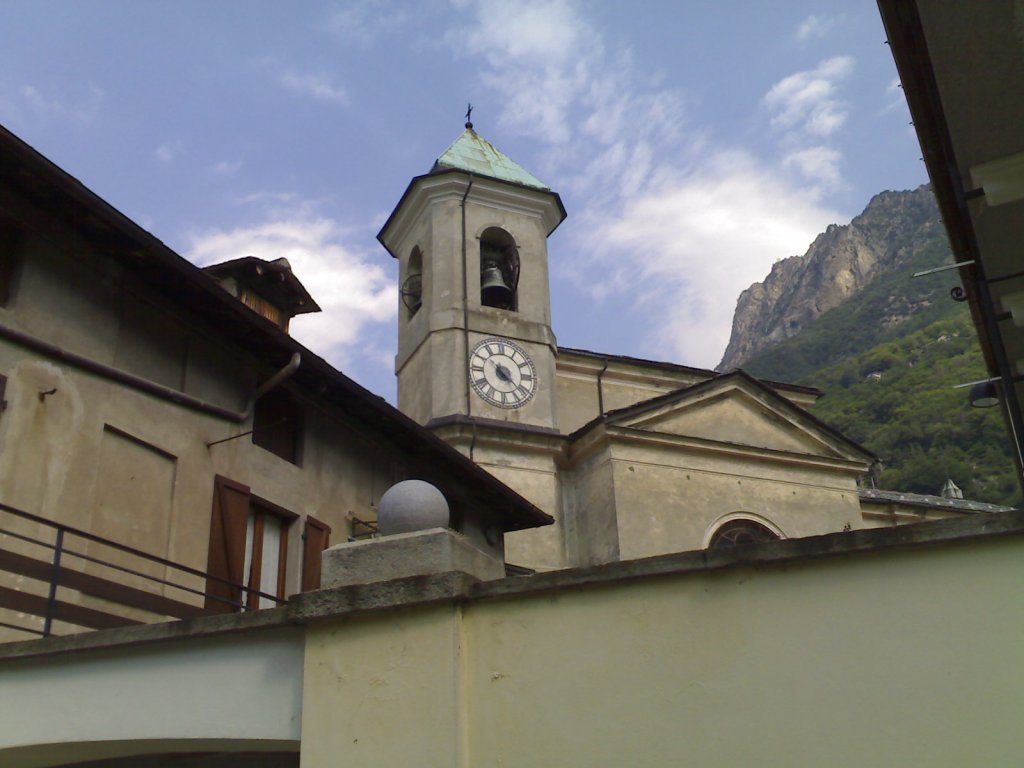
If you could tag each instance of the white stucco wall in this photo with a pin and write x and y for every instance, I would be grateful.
(238, 692)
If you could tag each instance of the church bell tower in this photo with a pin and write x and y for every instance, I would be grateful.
(474, 330)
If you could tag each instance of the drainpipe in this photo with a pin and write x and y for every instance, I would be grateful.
(600, 390)
(465, 299)
(271, 383)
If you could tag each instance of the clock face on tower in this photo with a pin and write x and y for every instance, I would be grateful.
(502, 373)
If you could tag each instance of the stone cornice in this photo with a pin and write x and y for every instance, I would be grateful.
(463, 430)
(605, 434)
(432, 189)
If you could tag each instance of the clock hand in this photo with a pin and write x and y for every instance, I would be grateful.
(502, 372)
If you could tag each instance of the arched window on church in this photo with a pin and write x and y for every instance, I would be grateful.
(412, 283)
(741, 531)
(499, 270)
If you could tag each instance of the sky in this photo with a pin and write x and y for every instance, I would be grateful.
(693, 144)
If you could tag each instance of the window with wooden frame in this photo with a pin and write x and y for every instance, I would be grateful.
(10, 257)
(248, 548)
(316, 538)
(266, 552)
(277, 425)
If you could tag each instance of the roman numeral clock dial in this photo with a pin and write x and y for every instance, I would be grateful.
(502, 373)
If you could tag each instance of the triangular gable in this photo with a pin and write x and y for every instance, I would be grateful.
(736, 408)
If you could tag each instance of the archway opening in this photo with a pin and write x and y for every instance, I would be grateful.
(412, 283)
(741, 531)
(499, 270)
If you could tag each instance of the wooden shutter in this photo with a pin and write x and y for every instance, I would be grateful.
(227, 544)
(10, 252)
(277, 425)
(316, 539)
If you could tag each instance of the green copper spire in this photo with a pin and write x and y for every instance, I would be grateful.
(473, 153)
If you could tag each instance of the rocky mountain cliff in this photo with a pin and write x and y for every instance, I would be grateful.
(887, 349)
(839, 264)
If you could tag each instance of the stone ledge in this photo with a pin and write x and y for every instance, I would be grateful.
(789, 551)
(454, 588)
(418, 553)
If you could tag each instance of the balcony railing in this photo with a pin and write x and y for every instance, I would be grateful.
(54, 576)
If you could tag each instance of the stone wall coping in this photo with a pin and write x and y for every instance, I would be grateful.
(459, 588)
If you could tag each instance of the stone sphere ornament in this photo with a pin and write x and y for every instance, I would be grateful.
(412, 505)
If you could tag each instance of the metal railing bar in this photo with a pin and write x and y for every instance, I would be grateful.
(247, 590)
(72, 553)
(29, 539)
(51, 599)
(130, 550)
(106, 542)
(21, 629)
(157, 579)
(60, 551)
(202, 593)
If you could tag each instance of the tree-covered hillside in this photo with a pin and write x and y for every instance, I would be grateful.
(898, 400)
(887, 360)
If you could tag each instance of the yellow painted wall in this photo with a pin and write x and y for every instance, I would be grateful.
(383, 691)
(885, 659)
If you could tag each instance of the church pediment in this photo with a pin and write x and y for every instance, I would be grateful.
(738, 409)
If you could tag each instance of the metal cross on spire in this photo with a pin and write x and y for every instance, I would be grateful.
(469, 116)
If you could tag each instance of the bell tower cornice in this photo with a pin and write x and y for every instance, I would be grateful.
(450, 184)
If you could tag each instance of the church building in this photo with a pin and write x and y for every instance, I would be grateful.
(631, 457)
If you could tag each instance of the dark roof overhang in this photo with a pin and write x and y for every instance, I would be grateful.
(982, 94)
(272, 279)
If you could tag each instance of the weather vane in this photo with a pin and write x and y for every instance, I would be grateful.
(469, 116)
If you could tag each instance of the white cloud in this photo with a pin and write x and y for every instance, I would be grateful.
(560, 83)
(35, 99)
(807, 101)
(268, 199)
(539, 55)
(352, 290)
(690, 243)
(894, 97)
(674, 223)
(227, 168)
(818, 165)
(318, 86)
(363, 21)
(81, 108)
(168, 151)
(817, 25)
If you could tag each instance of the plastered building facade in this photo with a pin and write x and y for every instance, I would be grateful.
(632, 457)
(166, 409)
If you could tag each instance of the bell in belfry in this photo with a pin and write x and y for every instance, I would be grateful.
(494, 288)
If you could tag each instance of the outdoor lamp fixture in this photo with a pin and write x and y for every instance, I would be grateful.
(984, 394)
